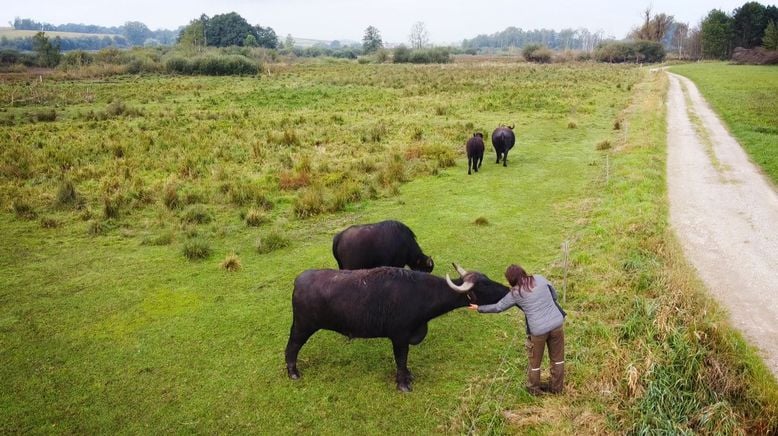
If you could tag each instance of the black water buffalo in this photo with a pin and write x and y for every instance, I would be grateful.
(385, 302)
(475, 151)
(503, 140)
(386, 243)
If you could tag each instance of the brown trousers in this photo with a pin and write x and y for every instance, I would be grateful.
(556, 353)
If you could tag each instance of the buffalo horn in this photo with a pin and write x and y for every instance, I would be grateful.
(466, 286)
(459, 269)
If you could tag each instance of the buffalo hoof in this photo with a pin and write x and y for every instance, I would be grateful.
(293, 374)
(403, 387)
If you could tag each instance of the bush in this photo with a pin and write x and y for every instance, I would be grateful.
(436, 55)
(197, 248)
(537, 53)
(629, 51)
(77, 58)
(604, 145)
(401, 55)
(273, 240)
(213, 65)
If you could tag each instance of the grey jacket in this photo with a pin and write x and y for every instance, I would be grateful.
(540, 306)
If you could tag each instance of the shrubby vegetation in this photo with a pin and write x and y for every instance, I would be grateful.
(537, 53)
(212, 65)
(629, 51)
(435, 55)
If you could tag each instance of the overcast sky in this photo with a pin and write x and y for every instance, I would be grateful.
(446, 20)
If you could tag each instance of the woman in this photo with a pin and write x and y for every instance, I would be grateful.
(544, 322)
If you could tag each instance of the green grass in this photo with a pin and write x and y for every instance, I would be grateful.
(744, 96)
(121, 332)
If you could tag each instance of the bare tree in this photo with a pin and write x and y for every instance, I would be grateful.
(419, 38)
(680, 40)
(654, 27)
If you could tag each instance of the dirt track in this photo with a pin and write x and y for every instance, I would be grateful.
(725, 214)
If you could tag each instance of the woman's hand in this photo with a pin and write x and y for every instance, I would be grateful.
(473, 307)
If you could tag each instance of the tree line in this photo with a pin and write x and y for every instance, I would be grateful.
(749, 26)
(513, 37)
(133, 32)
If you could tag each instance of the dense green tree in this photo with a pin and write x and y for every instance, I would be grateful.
(228, 29)
(136, 32)
(716, 35)
(266, 37)
(748, 25)
(771, 13)
(770, 40)
(47, 51)
(372, 41)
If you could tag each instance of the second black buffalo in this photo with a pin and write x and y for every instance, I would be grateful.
(386, 243)
(503, 139)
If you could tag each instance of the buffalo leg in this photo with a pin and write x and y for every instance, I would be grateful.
(403, 377)
(505, 159)
(297, 338)
(480, 161)
(469, 162)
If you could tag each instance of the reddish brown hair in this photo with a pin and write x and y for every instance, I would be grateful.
(519, 278)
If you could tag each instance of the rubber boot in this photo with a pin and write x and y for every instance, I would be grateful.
(557, 377)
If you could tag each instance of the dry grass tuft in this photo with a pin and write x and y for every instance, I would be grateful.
(231, 263)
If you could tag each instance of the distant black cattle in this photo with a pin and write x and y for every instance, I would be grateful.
(386, 302)
(386, 243)
(503, 140)
(475, 151)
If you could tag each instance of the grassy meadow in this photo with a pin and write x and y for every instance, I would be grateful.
(744, 96)
(152, 228)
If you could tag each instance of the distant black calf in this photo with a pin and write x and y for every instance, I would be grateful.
(386, 243)
(475, 151)
(503, 140)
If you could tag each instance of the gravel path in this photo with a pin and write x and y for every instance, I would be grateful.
(725, 214)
